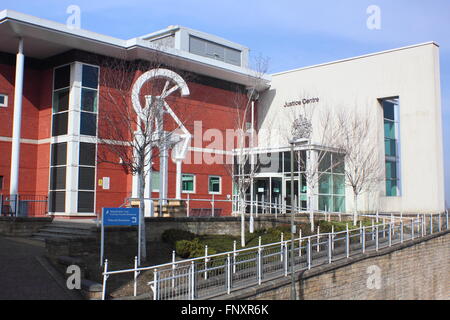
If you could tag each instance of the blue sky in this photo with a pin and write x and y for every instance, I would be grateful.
(291, 33)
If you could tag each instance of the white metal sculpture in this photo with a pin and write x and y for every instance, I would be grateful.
(179, 140)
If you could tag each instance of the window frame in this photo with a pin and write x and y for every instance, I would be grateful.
(220, 184)
(5, 101)
(194, 183)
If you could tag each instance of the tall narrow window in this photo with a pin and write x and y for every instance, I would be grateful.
(86, 177)
(61, 91)
(391, 146)
(58, 166)
(89, 100)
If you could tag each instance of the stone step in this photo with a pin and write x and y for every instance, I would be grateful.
(61, 230)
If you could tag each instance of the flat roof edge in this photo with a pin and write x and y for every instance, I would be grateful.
(357, 57)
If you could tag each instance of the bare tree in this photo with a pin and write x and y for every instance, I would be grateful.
(245, 164)
(363, 169)
(313, 159)
(128, 136)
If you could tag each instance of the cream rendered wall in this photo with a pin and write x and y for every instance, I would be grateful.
(411, 73)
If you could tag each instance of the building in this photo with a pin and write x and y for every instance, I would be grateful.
(52, 106)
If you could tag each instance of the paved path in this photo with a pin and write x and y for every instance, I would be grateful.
(25, 273)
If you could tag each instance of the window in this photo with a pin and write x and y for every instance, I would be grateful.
(86, 177)
(215, 51)
(391, 145)
(332, 183)
(1, 182)
(214, 185)
(61, 93)
(3, 100)
(188, 183)
(89, 100)
(155, 181)
(58, 169)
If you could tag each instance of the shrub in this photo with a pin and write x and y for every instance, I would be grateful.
(171, 236)
(191, 249)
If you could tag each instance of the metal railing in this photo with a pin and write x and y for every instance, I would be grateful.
(218, 274)
(23, 205)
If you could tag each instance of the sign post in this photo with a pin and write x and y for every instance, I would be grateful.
(118, 217)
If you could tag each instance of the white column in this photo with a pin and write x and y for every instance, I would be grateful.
(17, 121)
(164, 171)
(73, 132)
(178, 179)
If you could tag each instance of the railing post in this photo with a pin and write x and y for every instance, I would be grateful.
(259, 261)
(431, 223)
(347, 240)
(384, 227)
(228, 273)
(446, 217)
(300, 242)
(135, 276)
(286, 259)
(173, 268)
(424, 225)
(376, 237)
(156, 285)
(363, 236)
(401, 231)
(373, 230)
(206, 262)
(332, 237)
(309, 253)
(360, 231)
(439, 222)
(390, 234)
(188, 205)
(318, 239)
(234, 256)
(329, 248)
(412, 228)
(192, 284)
(105, 277)
(281, 246)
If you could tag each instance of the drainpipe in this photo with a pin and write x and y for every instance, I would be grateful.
(15, 148)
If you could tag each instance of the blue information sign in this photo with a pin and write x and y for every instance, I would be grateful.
(120, 216)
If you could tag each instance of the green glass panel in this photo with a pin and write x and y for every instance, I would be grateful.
(389, 129)
(391, 170)
(390, 147)
(339, 184)
(324, 162)
(339, 204)
(391, 188)
(338, 163)
(155, 181)
(325, 184)
(89, 100)
(326, 203)
(187, 182)
(61, 100)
